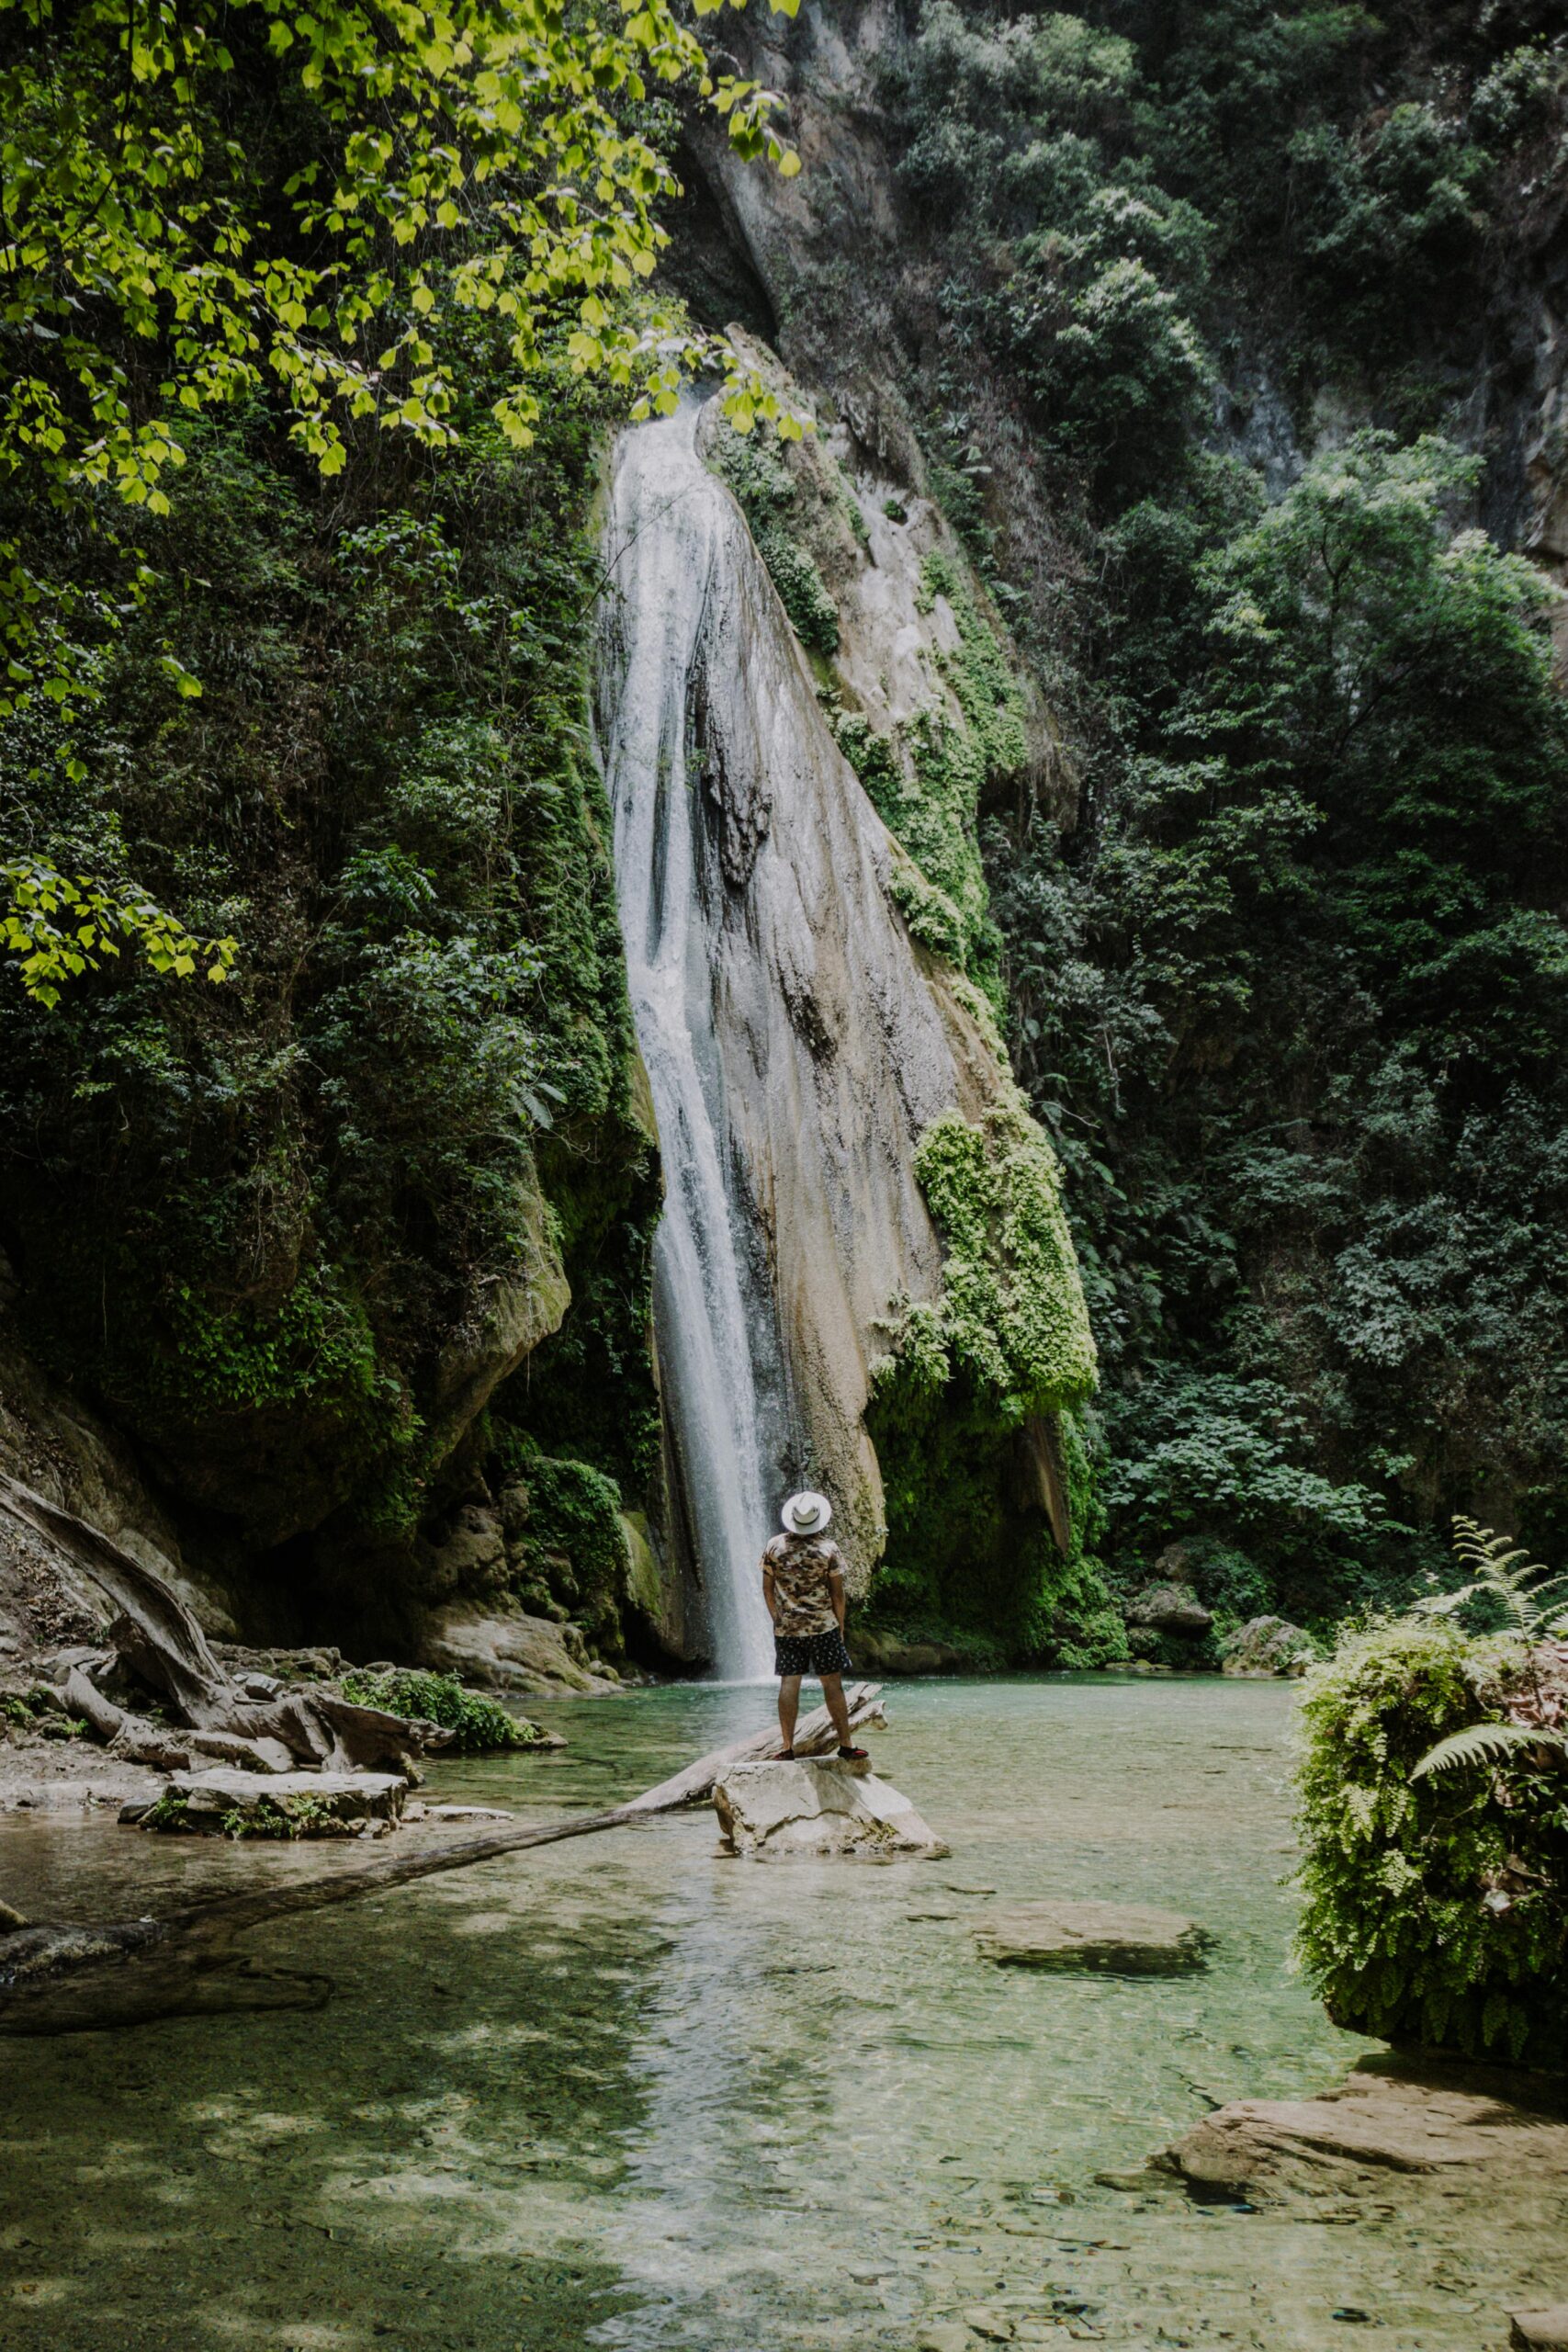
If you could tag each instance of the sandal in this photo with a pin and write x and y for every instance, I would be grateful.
(854, 1754)
(784, 1756)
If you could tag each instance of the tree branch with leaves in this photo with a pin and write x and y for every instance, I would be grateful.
(302, 204)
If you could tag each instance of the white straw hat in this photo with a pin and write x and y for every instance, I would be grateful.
(805, 1513)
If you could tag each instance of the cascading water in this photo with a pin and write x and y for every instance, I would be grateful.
(713, 1316)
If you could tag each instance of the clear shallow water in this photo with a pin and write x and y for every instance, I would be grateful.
(627, 2094)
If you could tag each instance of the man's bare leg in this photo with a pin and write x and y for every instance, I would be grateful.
(789, 1706)
(833, 1694)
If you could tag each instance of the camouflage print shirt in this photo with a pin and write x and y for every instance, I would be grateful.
(800, 1567)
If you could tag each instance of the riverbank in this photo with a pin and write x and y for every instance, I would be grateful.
(625, 2093)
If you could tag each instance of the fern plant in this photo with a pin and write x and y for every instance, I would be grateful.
(1498, 1574)
(1519, 1587)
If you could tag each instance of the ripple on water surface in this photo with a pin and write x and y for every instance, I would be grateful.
(626, 2094)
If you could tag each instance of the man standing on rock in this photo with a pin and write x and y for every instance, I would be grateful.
(803, 1584)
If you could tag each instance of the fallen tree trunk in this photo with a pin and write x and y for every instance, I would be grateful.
(64, 1980)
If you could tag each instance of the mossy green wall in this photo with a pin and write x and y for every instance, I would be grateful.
(979, 1410)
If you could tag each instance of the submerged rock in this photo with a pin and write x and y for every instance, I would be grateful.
(279, 1804)
(1542, 2331)
(1267, 1646)
(1120, 1938)
(818, 1806)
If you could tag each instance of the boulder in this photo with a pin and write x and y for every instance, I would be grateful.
(1267, 1646)
(818, 1806)
(1170, 1609)
(1542, 2331)
(885, 1654)
(502, 1648)
(1118, 1938)
(515, 1505)
(290, 1804)
(471, 1557)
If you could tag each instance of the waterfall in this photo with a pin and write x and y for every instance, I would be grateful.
(713, 1312)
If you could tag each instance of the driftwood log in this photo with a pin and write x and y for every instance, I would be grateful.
(69, 1979)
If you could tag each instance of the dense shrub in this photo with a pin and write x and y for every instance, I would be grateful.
(1437, 1909)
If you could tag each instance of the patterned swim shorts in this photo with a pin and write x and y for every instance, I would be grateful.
(816, 1654)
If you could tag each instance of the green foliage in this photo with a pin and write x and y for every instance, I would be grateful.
(300, 1815)
(1526, 1600)
(482, 1727)
(1011, 1320)
(1291, 1009)
(169, 1811)
(1288, 996)
(1487, 1744)
(1437, 1908)
(316, 206)
(1069, 261)
(572, 1557)
(253, 1217)
(767, 498)
(929, 780)
(1215, 1453)
(61, 925)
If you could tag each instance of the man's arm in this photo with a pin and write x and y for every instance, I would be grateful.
(768, 1587)
(836, 1594)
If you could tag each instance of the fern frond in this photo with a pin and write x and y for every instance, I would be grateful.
(1443, 1604)
(1502, 1573)
(1483, 1744)
(1491, 1555)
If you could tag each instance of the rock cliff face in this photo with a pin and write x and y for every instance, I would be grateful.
(797, 1036)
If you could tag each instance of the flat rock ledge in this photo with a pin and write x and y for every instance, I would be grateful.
(1113, 1939)
(819, 1806)
(1473, 2127)
(276, 1804)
